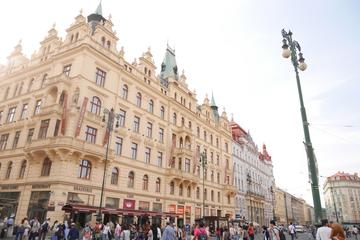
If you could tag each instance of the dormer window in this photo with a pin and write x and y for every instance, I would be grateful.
(108, 44)
(103, 41)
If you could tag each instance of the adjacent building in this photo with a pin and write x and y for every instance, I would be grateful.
(342, 198)
(253, 178)
(57, 136)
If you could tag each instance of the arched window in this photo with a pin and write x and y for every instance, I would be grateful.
(8, 170)
(151, 106)
(212, 195)
(189, 125)
(62, 98)
(131, 177)
(212, 175)
(114, 176)
(76, 36)
(211, 139)
(103, 41)
(217, 142)
(108, 44)
(188, 192)
(198, 131)
(180, 190)
(46, 167)
(157, 185)
(72, 37)
(205, 194)
(84, 169)
(204, 135)
(43, 81)
(7, 93)
(30, 85)
(162, 112)
(95, 105)
(197, 193)
(22, 169)
(172, 188)
(138, 99)
(174, 118)
(145, 182)
(182, 121)
(125, 91)
(21, 87)
(219, 197)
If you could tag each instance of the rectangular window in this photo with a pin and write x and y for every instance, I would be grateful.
(187, 165)
(90, 134)
(16, 139)
(30, 135)
(67, 69)
(118, 145)
(24, 111)
(37, 107)
(11, 115)
(161, 135)
(100, 77)
(3, 141)
(122, 116)
(134, 150)
(147, 154)
(149, 129)
(136, 124)
(44, 125)
(159, 159)
(57, 127)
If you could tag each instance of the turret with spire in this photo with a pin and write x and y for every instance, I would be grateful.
(96, 18)
(214, 108)
(169, 68)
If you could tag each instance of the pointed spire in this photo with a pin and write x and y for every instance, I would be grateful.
(98, 10)
(168, 66)
(212, 104)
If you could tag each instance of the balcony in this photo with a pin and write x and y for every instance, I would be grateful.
(67, 143)
(184, 151)
(182, 176)
(183, 130)
(255, 194)
(58, 79)
(53, 108)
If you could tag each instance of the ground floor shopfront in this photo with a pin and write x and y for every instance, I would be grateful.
(62, 201)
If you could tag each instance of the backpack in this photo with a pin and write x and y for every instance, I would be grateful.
(202, 235)
(281, 234)
(45, 227)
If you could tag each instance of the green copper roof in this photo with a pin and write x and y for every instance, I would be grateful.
(212, 103)
(168, 66)
(99, 9)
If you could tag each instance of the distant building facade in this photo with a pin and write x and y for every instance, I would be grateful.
(53, 138)
(253, 178)
(342, 197)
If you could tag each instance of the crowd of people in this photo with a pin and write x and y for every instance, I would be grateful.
(34, 230)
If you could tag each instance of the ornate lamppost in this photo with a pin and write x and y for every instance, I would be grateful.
(111, 116)
(203, 161)
(299, 63)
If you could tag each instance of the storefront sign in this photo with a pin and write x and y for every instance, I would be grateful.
(129, 204)
(82, 188)
(144, 205)
(188, 210)
(172, 208)
(180, 210)
(9, 187)
(39, 186)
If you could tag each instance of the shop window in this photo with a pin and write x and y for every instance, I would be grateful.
(38, 204)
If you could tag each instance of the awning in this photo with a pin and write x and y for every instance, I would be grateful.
(79, 208)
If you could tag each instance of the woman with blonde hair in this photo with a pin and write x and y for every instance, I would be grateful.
(337, 232)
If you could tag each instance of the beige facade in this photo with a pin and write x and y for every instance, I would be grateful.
(342, 198)
(289, 208)
(52, 134)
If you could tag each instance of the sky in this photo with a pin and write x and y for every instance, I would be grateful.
(233, 49)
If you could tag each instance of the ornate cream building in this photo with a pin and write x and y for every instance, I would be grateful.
(342, 197)
(53, 137)
(253, 178)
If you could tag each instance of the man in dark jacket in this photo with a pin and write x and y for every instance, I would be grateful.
(73, 233)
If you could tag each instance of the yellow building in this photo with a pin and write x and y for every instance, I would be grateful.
(53, 137)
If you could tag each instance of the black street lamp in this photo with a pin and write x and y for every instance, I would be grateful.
(111, 116)
(299, 63)
(203, 161)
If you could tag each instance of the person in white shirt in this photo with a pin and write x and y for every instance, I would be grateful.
(292, 231)
(324, 232)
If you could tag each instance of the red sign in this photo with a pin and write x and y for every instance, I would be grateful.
(81, 117)
(188, 210)
(172, 208)
(129, 204)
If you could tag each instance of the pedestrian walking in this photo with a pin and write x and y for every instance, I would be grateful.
(356, 232)
(266, 233)
(35, 228)
(291, 230)
(323, 232)
(20, 230)
(274, 231)
(251, 231)
(44, 229)
(337, 232)
(169, 232)
(74, 233)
